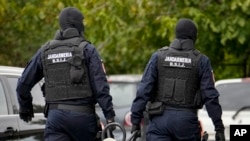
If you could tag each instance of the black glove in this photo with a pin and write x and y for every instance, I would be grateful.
(26, 115)
(220, 136)
(136, 128)
(111, 128)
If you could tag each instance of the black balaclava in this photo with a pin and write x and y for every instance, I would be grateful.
(186, 29)
(71, 17)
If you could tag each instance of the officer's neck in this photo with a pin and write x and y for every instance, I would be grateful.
(182, 44)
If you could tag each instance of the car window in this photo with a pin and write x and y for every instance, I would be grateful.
(38, 99)
(234, 96)
(3, 102)
(123, 93)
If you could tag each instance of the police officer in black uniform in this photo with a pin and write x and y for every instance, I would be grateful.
(74, 82)
(177, 81)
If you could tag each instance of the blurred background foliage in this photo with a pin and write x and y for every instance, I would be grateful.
(126, 33)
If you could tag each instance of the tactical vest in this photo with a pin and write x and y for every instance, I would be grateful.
(178, 80)
(64, 69)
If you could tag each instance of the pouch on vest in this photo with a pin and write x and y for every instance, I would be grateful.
(76, 69)
(155, 108)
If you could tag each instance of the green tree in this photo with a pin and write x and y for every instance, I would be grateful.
(126, 33)
(24, 26)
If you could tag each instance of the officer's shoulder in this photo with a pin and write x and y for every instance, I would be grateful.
(89, 47)
(84, 43)
(196, 52)
(204, 58)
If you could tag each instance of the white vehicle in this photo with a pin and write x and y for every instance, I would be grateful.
(12, 128)
(235, 101)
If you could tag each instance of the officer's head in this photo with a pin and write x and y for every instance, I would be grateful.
(71, 17)
(186, 29)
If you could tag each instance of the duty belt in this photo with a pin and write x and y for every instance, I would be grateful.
(75, 108)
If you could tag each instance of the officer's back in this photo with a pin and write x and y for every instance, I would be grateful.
(74, 82)
(177, 81)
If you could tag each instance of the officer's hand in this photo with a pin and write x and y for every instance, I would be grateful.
(112, 128)
(26, 115)
(136, 128)
(220, 136)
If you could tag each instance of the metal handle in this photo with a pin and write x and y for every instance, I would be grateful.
(10, 131)
(114, 124)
